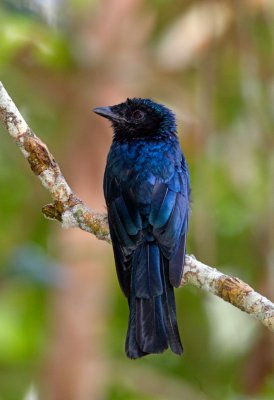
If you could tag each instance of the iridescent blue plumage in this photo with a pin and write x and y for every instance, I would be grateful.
(146, 187)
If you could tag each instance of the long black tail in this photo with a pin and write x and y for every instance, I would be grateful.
(152, 323)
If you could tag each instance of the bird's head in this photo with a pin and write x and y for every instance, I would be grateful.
(139, 118)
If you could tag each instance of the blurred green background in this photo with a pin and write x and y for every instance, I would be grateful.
(62, 316)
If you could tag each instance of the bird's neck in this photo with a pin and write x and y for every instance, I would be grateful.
(131, 137)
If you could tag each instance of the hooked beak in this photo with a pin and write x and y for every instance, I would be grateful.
(107, 113)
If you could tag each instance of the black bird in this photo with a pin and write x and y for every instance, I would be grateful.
(147, 190)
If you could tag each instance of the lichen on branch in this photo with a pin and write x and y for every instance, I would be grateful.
(231, 289)
(66, 207)
(72, 212)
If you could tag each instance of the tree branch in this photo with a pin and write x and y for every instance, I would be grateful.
(70, 210)
(66, 206)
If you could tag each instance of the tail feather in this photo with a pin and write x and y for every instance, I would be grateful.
(169, 305)
(150, 329)
(132, 348)
(152, 322)
(147, 272)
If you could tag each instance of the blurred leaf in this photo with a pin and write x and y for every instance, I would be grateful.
(48, 48)
(32, 265)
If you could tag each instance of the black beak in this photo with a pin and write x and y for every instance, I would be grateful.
(107, 113)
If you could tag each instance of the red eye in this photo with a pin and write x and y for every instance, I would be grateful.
(137, 114)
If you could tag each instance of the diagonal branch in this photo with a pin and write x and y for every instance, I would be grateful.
(66, 207)
(71, 212)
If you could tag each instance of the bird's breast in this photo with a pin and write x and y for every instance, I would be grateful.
(148, 160)
(138, 166)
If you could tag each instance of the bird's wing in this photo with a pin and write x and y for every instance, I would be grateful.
(169, 218)
(125, 225)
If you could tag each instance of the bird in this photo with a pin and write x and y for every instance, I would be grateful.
(147, 192)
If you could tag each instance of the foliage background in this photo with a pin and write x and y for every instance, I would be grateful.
(62, 316)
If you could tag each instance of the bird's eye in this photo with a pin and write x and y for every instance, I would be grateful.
(138, 114)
